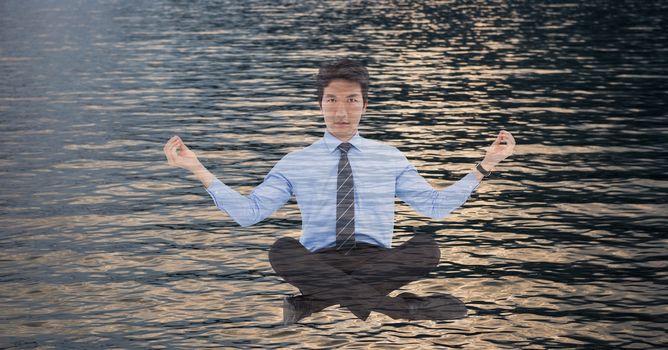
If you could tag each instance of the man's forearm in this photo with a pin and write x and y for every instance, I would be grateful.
(203, 175)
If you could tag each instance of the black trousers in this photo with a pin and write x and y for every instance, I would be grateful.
(359, 280)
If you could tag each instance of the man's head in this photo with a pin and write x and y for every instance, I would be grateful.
(342, 95)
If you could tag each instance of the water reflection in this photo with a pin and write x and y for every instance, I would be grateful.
(104, 245)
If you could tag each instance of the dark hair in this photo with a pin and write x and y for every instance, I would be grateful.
(346, 69)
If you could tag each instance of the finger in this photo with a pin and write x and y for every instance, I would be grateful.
(509, 148)
(506, 136)
(169, 142)
(169, 152)
(173, 150)
(177, 148)
(511, 139)
(497, 140)
(168, 148)
(174, 143)
(184, 145)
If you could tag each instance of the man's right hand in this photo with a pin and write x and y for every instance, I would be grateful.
(179, 155)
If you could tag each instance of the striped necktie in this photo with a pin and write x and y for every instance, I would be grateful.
(345, 203)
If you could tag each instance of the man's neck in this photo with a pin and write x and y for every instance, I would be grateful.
(343, 139)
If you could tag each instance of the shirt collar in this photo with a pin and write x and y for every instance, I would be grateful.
(332, 142)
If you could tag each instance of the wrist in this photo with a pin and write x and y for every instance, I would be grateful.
(487, 165)
(481, 171)
(198, 169)
(203, 175)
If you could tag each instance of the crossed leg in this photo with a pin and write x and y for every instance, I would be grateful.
(359, 281)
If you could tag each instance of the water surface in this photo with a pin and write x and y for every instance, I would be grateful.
(106, 246)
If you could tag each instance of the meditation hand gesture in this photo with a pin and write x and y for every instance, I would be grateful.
(497, 151)
(178, 154)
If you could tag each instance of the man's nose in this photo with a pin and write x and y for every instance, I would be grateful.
(340, 110)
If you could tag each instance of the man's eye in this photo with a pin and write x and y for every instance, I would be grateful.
(352, 100)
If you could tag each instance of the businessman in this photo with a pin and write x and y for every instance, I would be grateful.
(345, 186)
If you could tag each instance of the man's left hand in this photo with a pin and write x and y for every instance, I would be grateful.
(502, 147)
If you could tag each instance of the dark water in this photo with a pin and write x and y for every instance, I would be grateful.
(103, 245)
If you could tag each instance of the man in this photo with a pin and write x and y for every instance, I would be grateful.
(345, 187)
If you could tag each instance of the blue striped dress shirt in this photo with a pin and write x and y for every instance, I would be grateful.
(381, 173)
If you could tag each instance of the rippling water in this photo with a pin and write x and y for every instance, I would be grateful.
(105, 246)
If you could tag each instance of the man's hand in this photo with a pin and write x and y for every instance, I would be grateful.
(498, 151)
(179, 155)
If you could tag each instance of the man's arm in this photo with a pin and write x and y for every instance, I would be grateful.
(414, 190)
(268, 197)
(265, 199)
(419, 194)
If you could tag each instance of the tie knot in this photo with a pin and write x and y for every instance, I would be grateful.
(344, 147)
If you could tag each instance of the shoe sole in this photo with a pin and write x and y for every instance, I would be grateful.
(289, 313)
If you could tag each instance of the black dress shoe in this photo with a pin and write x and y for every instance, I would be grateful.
(438, 306)
(361, 312)
(294, 309)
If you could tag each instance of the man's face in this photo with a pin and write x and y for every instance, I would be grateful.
(342, 107)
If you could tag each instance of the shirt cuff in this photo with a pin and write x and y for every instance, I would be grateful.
(217, 190)
(469, 182)
(215, 183)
